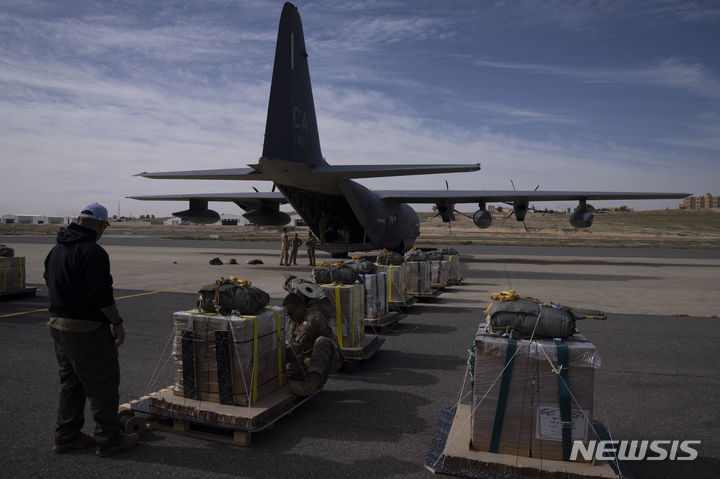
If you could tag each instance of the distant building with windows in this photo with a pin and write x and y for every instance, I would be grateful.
(697, 202)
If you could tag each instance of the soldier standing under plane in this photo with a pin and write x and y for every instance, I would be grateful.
(310, 245)
(295, 243)
(312, 351)
(284, 248)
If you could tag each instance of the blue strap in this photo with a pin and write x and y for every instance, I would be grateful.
(564, 398)
(503, 395)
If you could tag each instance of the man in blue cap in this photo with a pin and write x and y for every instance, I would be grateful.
(87, 329)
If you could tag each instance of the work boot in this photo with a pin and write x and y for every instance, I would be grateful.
(83, 441)
(308, 387)
(126, 442)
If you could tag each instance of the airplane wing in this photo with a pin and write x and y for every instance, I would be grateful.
(246, 201)
(512, 196)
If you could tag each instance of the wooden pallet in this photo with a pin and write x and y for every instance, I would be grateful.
(383, 322)
(427, 297)
(365, 349)
(212, 421)
(398, 305)
(454, 456)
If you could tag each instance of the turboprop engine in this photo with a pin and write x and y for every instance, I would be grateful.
(267, 216)
(482, 218)
(198, 213)
(581, 218)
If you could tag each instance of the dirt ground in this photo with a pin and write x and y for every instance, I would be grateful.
(641, 229)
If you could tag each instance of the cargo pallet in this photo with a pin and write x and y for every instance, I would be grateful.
(450, 454)
(364, 349)
(398, 305)
(383, 322)
(426, 297)
(19, 293)
(163, 411)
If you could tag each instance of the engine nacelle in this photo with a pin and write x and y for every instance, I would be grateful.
(199, 216)
(482, 218)
(581, 218)
(267, 216)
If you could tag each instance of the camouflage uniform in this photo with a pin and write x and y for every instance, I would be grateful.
(284, 249)
(312, 348)
(295, 243)
(310, 244)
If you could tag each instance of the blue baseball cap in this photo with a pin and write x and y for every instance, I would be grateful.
(95, 211)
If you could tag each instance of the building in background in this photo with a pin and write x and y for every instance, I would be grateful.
(696, 202)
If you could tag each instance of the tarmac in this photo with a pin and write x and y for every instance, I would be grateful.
(659, 377)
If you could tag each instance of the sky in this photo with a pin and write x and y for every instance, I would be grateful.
(596, 95)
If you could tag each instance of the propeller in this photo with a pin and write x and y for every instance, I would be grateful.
(272, 191)
(513, 210)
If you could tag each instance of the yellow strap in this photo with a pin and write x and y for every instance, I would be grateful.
(352, 335)
(338, 315)
(510, 295)
(279, 343)
(390, 284)
(255, 359)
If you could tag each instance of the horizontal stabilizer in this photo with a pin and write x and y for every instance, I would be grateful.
(339, 172)
(221, 174)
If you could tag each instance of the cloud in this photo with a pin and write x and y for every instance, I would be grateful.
(673, 73)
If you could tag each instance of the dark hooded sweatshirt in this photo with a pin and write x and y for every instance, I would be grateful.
(77, 273)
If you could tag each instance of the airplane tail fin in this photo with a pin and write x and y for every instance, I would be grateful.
(291, 132)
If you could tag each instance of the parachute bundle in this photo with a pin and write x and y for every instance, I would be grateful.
(232, 295)
(519, 317)
(361, 266)
(390, 257)
(336, 273)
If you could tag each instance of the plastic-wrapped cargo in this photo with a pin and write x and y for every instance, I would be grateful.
(454, 274)
(13, 273)
(376, 295)
(525, 391)
(397, 282)
(348, 305)
(228, 359)
(440, 273)
(419, 277)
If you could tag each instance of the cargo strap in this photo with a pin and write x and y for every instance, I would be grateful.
(564, 398)
(224, 367)
(390, 283)
(503, 395)
(418, 276)
(338, 315)
(279, 344)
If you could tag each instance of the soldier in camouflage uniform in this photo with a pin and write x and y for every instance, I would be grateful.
(284, 248)
(312, 351)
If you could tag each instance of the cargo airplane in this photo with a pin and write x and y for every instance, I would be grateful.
(343, 214)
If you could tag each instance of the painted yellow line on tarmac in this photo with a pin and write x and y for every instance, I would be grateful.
(20, 313)
(23, 312)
